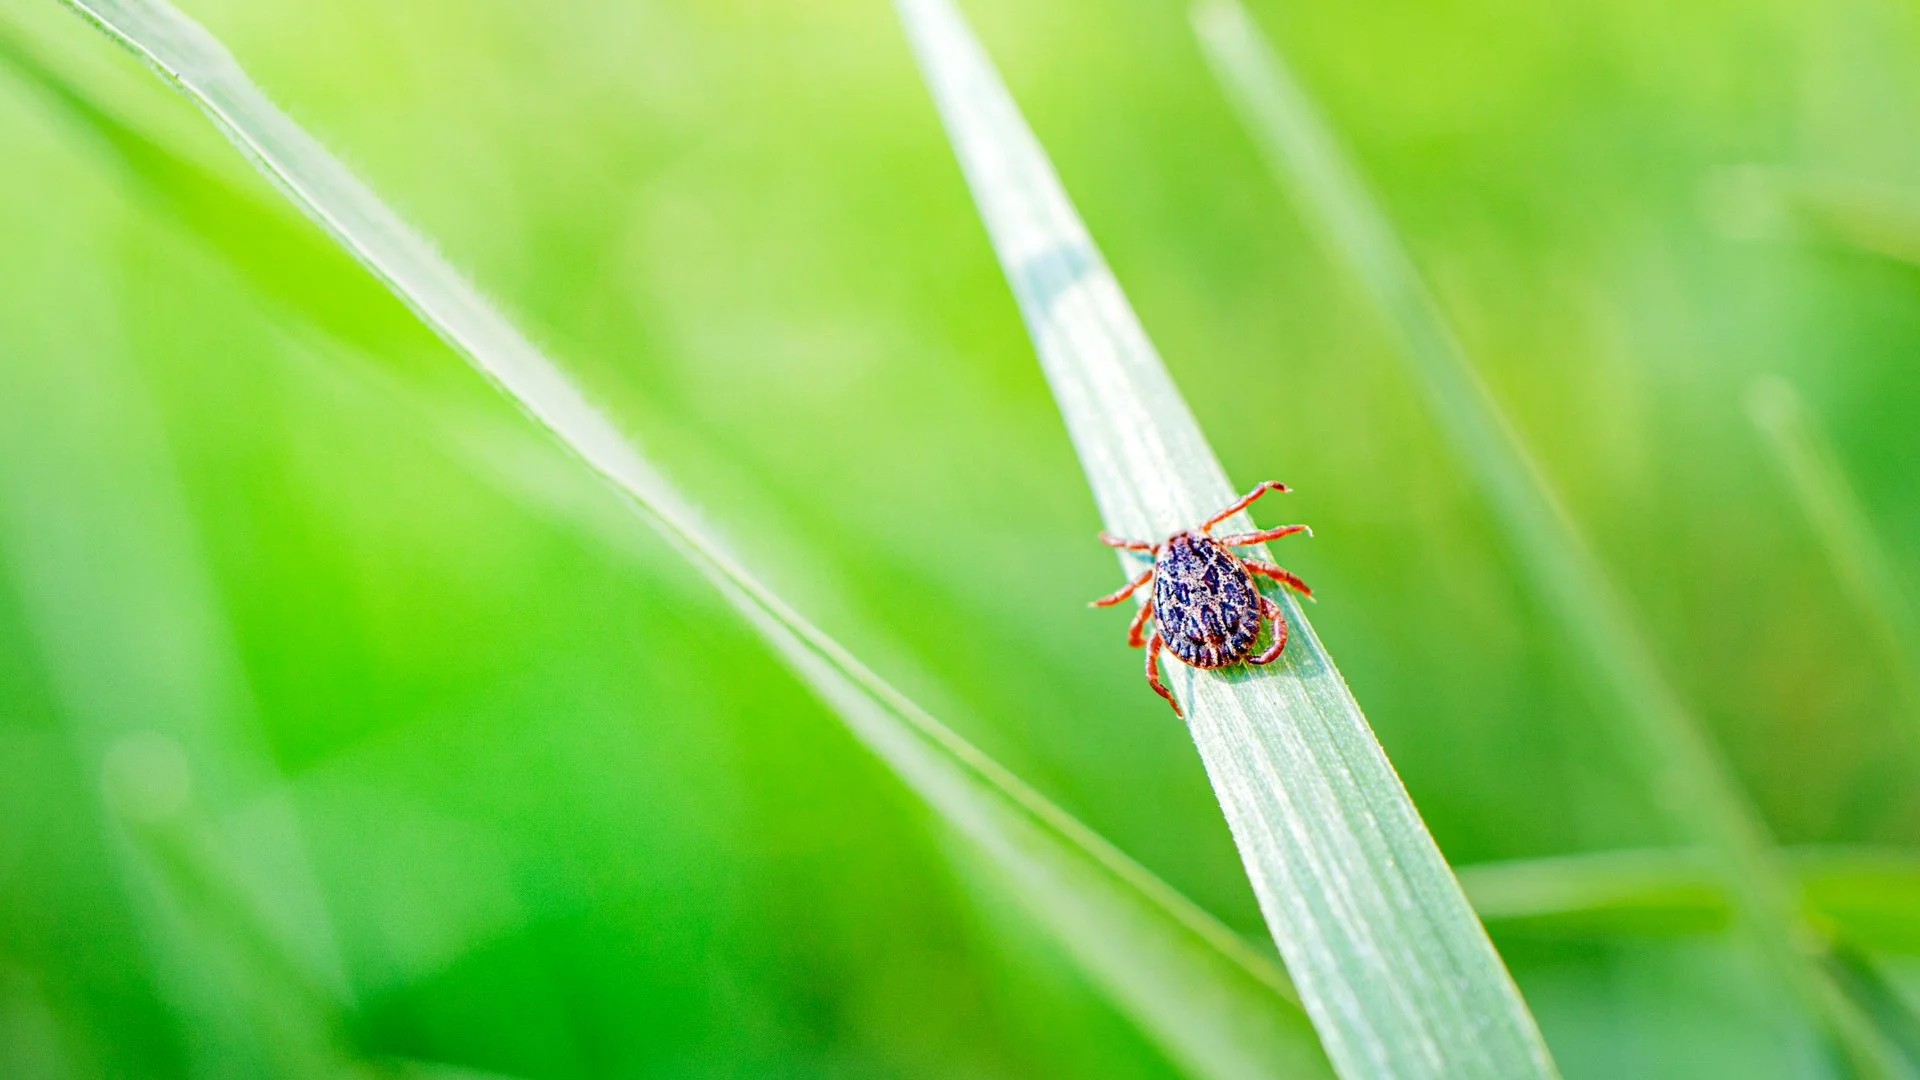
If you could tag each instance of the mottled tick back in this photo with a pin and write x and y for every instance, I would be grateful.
(1204, 604)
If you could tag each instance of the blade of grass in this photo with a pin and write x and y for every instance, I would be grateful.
(1691, 779)
(1812, 470)
(1880, 219)
(1867, 898)
(1866, 981)
(1216, 1006)
(1608, 893)
(1779, 203)
(1389, 960)
(1870, 895)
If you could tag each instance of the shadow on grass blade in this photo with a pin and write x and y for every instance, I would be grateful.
(1213, 1004)
(1389, 960)
(1690, 778)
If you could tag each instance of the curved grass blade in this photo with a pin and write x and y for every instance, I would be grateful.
(1389, 960)
(1812, 470)
(1213, 1004)
(1691, 779)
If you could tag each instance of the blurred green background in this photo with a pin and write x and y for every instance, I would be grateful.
(323, 749)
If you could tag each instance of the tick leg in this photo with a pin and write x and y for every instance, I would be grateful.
(1244, 502)
(1283, 576)
(1153, 672)
(1264, 535)
(1136, 631)
(1113, 598)
(1272, 611)
(1126, 545)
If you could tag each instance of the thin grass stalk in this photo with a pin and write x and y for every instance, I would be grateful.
(1768, 202)
(1693, 782)
(1213, 1004)
(1868, 897)
(1388, 958)
(1807, 461)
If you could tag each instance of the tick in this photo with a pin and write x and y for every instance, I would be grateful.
(1204, 604)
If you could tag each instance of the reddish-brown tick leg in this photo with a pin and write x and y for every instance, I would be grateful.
(1136, 635)
(1153, 672)
(1244, 502)
(1126, 545)
(1264, 535)
(1113, 598)
(1272, 611)
(1284, 577)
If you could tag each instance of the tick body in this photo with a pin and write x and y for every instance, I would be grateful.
(1204, 604)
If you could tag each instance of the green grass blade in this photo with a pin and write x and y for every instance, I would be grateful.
(1870, 895)
(1868, 898)
(1775, 203)
(1692, 780)
(1389, 960)
(1215, 1005)
(1812, 470)
(1602, 894)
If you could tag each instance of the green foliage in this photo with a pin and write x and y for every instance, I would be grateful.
(349, 727)
(1217, 1007)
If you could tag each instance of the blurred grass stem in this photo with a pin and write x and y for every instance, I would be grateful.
(1806, 459)
(1692, 780)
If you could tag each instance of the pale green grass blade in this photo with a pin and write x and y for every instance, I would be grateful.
(1688, 773)
(1389, 960)
(1806, 459)
(1657, 890)
(1764, 202)
(1867, 898)
(1215, 1005)
(1880, 219)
